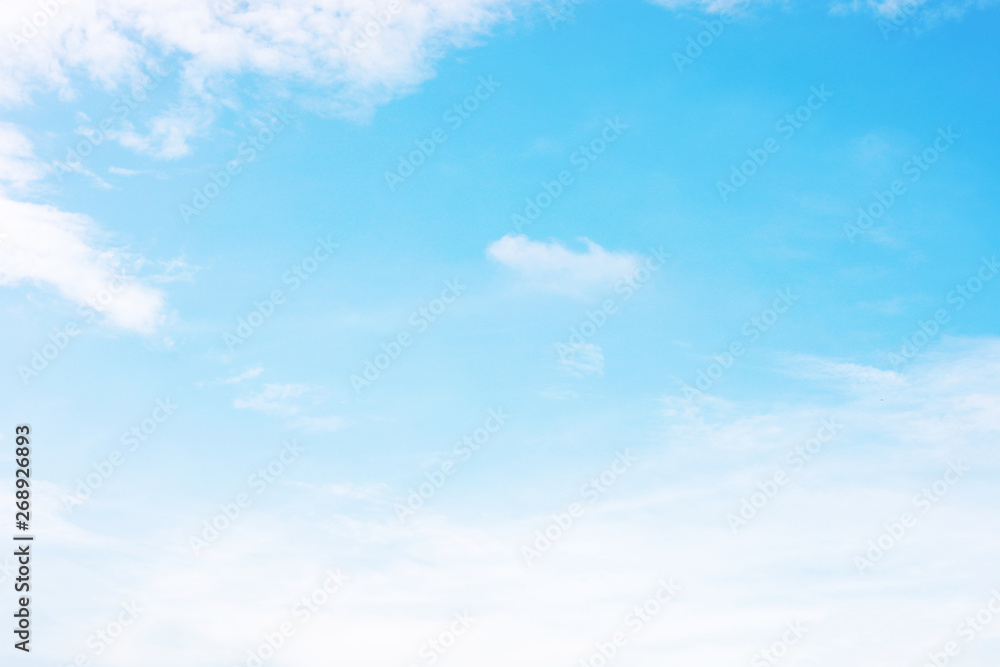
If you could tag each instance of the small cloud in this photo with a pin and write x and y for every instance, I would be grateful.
(709, 6)
(18, 164)
(554, 268)
(175, 270)
(119, 171)
(580, 359)
(370, 492)
(319, 424)
(248, 374)
(78, 168)
(855, 375)
(291, 401)
(278, 399)
(560, 394)
(169, 134)
(918, 15)
(894, 8)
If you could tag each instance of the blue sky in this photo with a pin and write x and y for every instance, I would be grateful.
(606, 325)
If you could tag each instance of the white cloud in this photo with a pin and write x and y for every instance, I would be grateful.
(18, 165)
(711, 6)
(278, 399)
(893, 8)
(328, 424)
(376, 493)
(168, 134)
(248, 374)
(554, 268)
(42, 244)
(174, 270)
(929, 12)
(319, 49)
(856, 376)
(291, 401)
(665, 518)
(121, 171)
(558, 394)
(911, 14)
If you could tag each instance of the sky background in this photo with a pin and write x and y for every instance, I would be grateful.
(850, 348)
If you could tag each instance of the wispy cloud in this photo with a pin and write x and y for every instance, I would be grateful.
(342, 57)
(248, 374)
(554, 268)
(854, 374)
(279, 399)
(174, 270)
(710, 6)
(328, 424)
(44, 245)
(18, 164)
(580, 359)
(800, 547)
